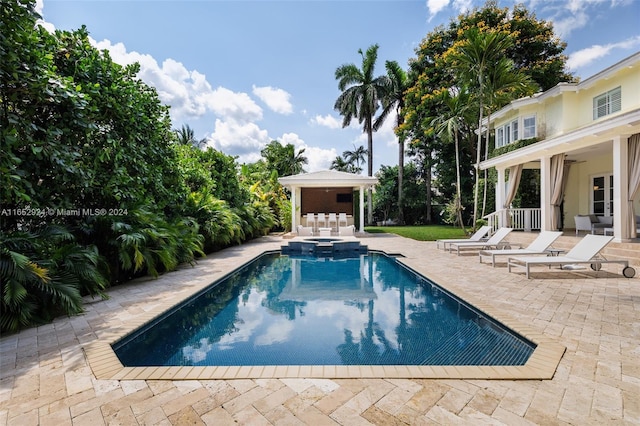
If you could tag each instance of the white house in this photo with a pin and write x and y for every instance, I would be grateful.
(586, 146)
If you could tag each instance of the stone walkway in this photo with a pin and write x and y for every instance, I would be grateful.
(45, 378)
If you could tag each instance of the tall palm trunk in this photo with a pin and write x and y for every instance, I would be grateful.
(400, 175)
(478, 151)
(369, 127)
(458, 201)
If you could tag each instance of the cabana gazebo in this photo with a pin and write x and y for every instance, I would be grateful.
(326, 191)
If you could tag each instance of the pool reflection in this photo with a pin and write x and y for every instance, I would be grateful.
(303, 310)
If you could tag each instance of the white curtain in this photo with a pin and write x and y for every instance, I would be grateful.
(557, 188)
(634, 180)
(515, 172)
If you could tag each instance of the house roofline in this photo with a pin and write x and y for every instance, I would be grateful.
(559, 88)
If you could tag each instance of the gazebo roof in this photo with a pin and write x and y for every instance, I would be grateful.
(324, 178)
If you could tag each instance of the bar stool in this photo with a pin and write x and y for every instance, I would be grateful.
(342, 219)
(332, 219)
(311, 220)
(322, 219)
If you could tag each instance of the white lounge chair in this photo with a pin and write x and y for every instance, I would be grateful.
(495, 241)
(585, 251)
(479, 235)
(537, 246)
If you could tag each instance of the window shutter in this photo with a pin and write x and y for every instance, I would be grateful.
(615, 100)
(600, 106)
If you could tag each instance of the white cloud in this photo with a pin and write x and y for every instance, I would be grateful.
(436, 6)
(327, 121)
(187, 92)
(233, 105)
(244, 140)
(462, 6)
(293, 139)
(276, 99)
(564, 26)
(588, 55)
(319, 158)
(571, 15)
(44, 24)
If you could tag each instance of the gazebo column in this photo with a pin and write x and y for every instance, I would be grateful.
(294, 201)
(361, 209)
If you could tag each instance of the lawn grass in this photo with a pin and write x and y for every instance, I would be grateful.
(420, 233)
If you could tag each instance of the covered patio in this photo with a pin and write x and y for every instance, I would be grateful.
(327, 191)
(580, 174)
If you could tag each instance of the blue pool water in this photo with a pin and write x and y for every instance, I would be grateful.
(360, 309)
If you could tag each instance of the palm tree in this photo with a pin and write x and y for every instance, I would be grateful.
(341, 165)
(472, 60)
(394, 101)
(360, 98)
(503, 83)
(186, 136)
(450, 123)
(284, 158)
(355, 157)
(293, 163)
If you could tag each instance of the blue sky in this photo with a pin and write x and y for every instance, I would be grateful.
(243, 73)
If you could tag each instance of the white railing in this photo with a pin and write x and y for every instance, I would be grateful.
(518, 219)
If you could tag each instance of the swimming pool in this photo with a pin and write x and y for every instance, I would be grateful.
(363, 309)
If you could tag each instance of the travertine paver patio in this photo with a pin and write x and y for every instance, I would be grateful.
(46, 379)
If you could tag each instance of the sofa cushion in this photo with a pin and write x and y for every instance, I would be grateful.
(593, 218)
(605, 220)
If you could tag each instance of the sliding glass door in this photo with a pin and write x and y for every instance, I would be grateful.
(602, 195)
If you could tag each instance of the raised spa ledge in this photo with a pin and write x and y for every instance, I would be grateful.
(323, 246)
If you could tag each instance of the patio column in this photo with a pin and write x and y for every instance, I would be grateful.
(361, 209)
(500, 195)
(294, 200)
(546, 207)
(620, 187)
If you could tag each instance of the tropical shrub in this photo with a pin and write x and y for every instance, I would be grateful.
(95, 187)
(45, 274)
(143, 242)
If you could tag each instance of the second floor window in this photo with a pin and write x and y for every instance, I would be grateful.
(607, 103)
(529, 127)
(510, 132)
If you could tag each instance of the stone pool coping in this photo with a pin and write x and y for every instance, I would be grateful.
(542, 364)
